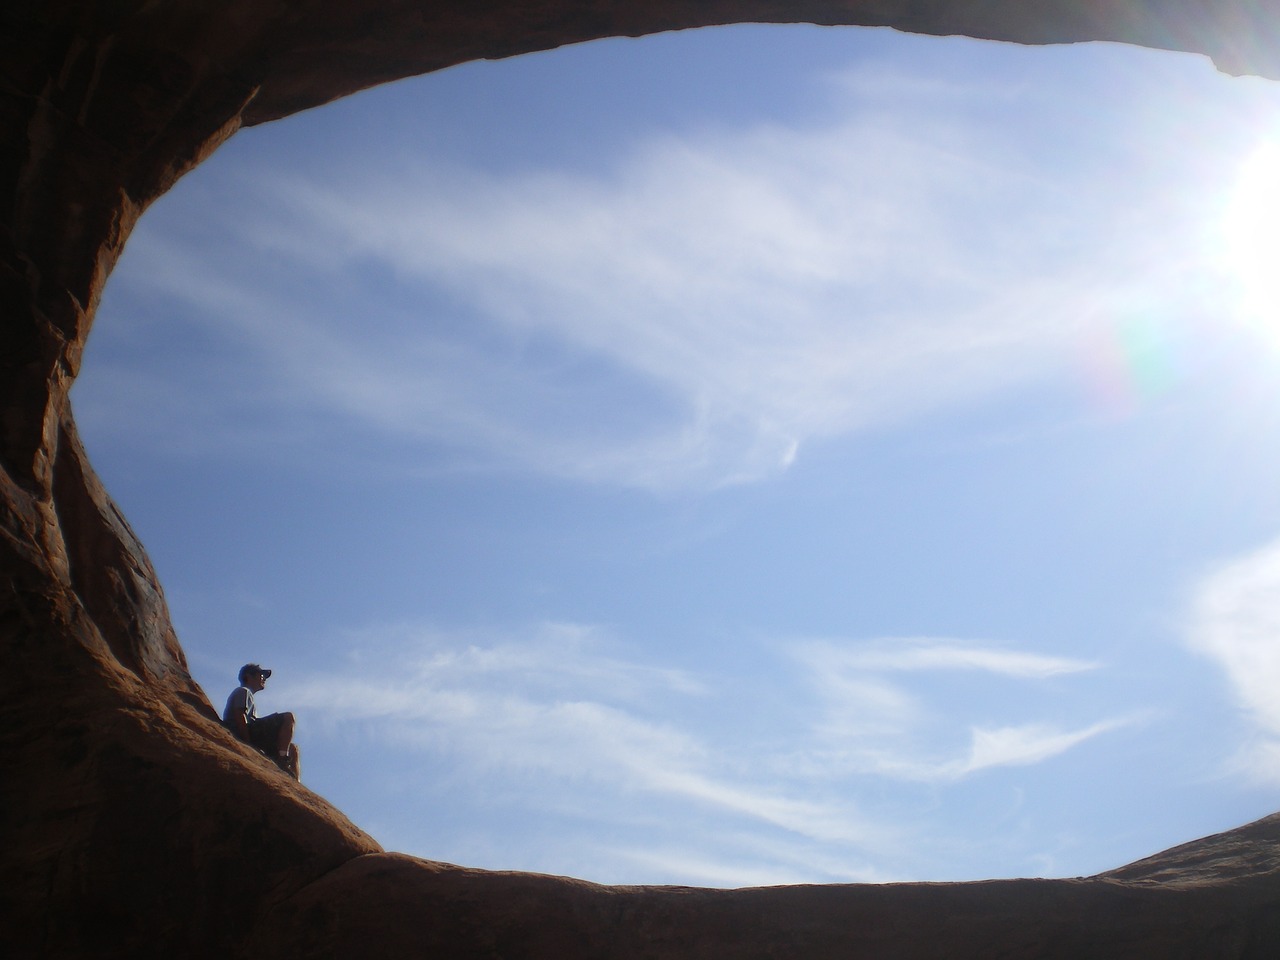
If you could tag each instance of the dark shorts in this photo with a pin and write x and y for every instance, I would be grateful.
(264, 733)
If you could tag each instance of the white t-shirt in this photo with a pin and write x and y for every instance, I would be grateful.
(240, 704)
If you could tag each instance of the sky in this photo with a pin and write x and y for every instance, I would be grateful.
(742, 456)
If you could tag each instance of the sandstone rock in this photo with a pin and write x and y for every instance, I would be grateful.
(1218, 911)
(131, 824)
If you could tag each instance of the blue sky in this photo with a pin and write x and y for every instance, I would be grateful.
(742, 456)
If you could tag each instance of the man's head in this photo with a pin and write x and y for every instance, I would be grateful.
(253, 676)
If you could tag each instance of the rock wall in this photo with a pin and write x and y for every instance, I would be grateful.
(131, 825)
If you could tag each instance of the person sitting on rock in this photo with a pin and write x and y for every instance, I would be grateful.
(273, 735)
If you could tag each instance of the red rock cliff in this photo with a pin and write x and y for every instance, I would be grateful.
(131, 825)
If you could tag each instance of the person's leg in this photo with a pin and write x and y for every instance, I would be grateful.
(262, 734)
(273, 735)
(285, 736)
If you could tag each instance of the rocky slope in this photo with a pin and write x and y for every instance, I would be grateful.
(131, 825)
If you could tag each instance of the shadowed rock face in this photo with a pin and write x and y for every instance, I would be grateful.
(131, 824)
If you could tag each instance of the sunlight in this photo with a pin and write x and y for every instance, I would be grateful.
(1252, 237)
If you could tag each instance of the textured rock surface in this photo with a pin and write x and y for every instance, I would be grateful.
(1156, 910)
(131, 825)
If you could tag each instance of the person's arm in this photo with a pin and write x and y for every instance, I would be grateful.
(238, 714)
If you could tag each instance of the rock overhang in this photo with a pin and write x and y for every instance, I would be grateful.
(132, 801)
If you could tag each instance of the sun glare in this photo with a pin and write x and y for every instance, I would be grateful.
(1252, 237)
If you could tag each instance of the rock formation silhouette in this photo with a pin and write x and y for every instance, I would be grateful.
(131, 824)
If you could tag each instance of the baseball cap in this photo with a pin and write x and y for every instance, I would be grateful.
(251, 668)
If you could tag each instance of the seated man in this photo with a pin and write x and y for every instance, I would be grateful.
(273, 735)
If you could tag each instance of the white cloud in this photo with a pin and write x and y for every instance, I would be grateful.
(774, 287)
(556, 707)
(1236, 624)
(989, 748)
(929, 653)
(574, 722)
(871, 724)
(1024, 745)
(691, 316)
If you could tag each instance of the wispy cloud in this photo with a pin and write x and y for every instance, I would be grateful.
(556, 705)
(929, 653)
(1023, 745)
(988, 749)
(872, 723)
(1236, 624)
(689, 316)
(767, 288)
(579, 721)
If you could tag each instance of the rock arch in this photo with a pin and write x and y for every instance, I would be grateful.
(130, 824)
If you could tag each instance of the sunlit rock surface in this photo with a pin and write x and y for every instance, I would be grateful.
(131, 825)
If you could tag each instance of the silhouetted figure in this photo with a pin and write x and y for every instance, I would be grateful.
(273, 734)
